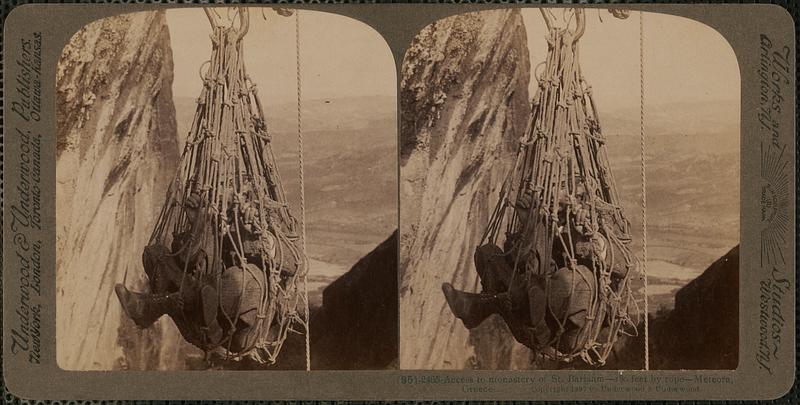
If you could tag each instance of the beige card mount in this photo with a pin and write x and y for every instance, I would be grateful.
(399, 202)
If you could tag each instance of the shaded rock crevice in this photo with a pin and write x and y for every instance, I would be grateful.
(702, 331)
(356, 327)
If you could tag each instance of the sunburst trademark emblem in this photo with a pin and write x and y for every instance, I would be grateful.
(774, 203)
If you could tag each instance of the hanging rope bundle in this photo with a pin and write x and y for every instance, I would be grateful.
(560, 208)
(226, 217)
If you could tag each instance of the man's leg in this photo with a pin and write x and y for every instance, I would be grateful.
(493, 269)
(470, 307)
(495, 275)
(145, 309)
(164, 274)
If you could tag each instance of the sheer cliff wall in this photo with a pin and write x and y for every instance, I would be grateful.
(464, 105)
(116, 152)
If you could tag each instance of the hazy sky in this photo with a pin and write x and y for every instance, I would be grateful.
(339, 56)
(685, 61)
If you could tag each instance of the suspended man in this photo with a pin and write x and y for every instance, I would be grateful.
(223, 260)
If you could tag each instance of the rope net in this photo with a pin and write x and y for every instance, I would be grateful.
(560, 208)
(245, 233)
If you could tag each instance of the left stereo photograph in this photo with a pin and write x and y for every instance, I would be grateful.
(226, 193)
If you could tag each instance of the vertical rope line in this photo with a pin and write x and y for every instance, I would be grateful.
(644, 192)
(302, 187)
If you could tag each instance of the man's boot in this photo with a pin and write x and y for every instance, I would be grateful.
(145, 309)
(471, 308)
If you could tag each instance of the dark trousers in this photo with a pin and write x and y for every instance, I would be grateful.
(525, 306)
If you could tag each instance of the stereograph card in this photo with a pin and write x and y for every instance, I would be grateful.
(399, 202)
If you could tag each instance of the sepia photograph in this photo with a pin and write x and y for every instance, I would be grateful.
(226, 193)
(569, 187)
(339, 202)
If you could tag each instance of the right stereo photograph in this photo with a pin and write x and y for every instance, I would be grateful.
(569, 193)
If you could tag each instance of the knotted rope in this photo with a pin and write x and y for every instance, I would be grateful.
(644, 192)
(245, 229)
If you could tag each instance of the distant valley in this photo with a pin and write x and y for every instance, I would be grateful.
(692, 187)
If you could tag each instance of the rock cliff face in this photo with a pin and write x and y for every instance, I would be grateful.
(464, 103)
(356, 328)
(116, 151)
(701, 333)
(709, 308)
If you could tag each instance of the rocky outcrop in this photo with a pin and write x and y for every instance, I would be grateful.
(116, 151)
(700, 333)
(464, 103)
(356, 327)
